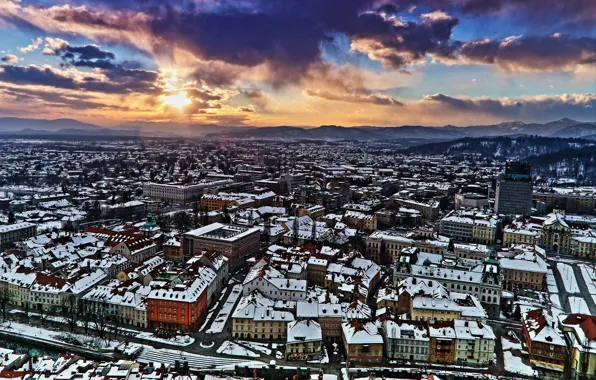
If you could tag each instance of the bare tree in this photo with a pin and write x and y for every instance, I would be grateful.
(45, 313)
(70, 312)
(4, 299)
(101, 319)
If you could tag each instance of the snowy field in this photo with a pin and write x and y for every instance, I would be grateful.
(43, 334)
(222, 317)
(234, 349)
(578, 305)
(514, 364)
(568, 278)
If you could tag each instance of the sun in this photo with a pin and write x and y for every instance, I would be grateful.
(179, 99)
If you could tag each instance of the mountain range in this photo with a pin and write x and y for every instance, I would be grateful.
(68, 127)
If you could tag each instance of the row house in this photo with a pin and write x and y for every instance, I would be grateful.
(178, 306)
(271, 283)
(363, 343)
(580, 333)
(445, 342)
(127, 300)
(304, 340)
(545, 342)
(256, 318)
(526, 270)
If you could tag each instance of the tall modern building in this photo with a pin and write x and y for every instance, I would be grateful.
(514, 189)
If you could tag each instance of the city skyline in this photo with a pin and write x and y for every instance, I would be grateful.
(306, 63)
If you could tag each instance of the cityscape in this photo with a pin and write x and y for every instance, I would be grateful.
(304, 190)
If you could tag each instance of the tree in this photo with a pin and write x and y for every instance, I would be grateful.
(71, 312)
(45, 313)
(11, 218)
(4, 299)
(182, 221)
(517, 313)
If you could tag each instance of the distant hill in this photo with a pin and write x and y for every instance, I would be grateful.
(500, 147)
(577, 130)
(560, 128)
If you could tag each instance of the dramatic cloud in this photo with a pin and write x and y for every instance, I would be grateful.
(10, 58)
(539, 108)
(555, 52)
(35, 43)
(354, 98)
(121, 81)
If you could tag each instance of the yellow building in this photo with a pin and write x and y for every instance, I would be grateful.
(580, 331)
(513, 235)
(258, 322)
(304, 340)
(434, 309)
(584, 246)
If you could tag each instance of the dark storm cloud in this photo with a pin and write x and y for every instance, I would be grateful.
(121, 80)
(244, 39)
(36, 76)
(54, 99)
(543, 108)
(532, 53)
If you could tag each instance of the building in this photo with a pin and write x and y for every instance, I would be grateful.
(304, 340)
(521, 233)
(434, 309)
(483, 281)
(470, 200)
(17, 232)
(474, 344)
(545, 342)
(556, 234)
(579, 201)
(362, 342)
(172, 250)
(234, 242)
(330, 319)
(584, 246)
(180, 194)
(580, 333)
(514, 190)
(178, 307)
(442, 345)
(406, 340)
(256, 318)
(429, 211)
(527, 270)
(360, 221)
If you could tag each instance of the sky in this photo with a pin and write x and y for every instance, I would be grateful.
(299, 62)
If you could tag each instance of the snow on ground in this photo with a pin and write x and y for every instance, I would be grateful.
(554, 298)
(324, 358)
(220, 320)
(509, 345)
(568, 278)
(234, 349)
(54, 336)
(260, 347)
(551, 282)
(514, 364)
(182, 340)
(578, 305)
(589, 276)
(206, 321)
